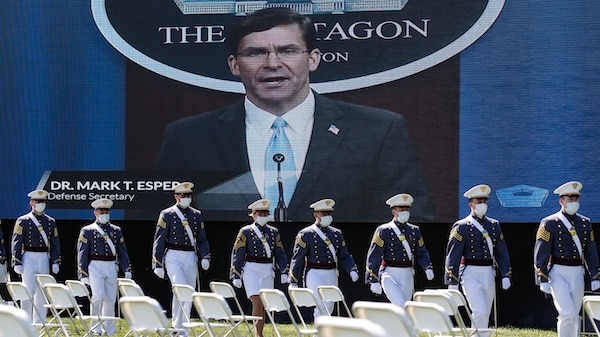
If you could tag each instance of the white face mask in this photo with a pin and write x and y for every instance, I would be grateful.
(185, 202)
(103, 218)
(262, 220)
(572, 207)
(402, 217)
(40, 207)
(326, 220)
(480, 210)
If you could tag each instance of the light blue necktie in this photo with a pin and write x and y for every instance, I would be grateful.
(279, 144)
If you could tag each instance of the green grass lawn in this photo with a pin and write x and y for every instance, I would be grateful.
(287, 330)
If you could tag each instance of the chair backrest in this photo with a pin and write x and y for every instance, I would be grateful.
(130, 289)
(183, 292)
(331, 293)
(59, 296)
(18, 291)
(226, 290)
(392, 318)
(43, 279)
(328, 326)
(591, 306)
(15, 322)
(222, 288)
(274, 300)
(124, 280)
(429, 317)
(78, 288)
(211, 306)
(450, 302)
(303, 297)
(441, 298)
(143, 313)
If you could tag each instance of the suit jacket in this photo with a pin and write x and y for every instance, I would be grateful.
(359, 156)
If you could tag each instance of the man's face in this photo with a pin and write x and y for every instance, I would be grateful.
(475, 201)
(275, 83)
(398, 209)
(565, 199)
(258, 213)
(99, 211)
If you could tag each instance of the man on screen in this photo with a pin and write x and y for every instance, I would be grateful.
(317, 146)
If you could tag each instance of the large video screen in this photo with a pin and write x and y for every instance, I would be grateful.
(123, 99)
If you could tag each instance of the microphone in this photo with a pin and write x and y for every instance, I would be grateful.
(281, 209)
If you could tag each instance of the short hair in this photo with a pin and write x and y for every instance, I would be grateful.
(266, 19)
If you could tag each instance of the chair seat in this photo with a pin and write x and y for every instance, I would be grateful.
(245, 317)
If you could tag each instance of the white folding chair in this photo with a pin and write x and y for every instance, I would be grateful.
(304, 297)
(14, 322)
(328, 326)
(79, 289)
(334, 294)
(274, 300)
(60, 299)
(119, 281)
(461, 301)
(43, 279)
(429, 318)
(144, 315)
(451, 307)
(183, 293)
(215, 313)
(392, 318)
(226, 290)
(19, 292)
(591, 309)
(130, 289)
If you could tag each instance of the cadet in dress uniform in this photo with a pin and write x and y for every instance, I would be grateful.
(35, 246)
(395, 247)
(179, 241)
(256, 251)
(475, 248)
(318, 251)
(101, 251)
(564, 246)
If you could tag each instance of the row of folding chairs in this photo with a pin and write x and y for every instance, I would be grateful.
(145, 315)
(382, 319)
(439, 312)
(61, 301)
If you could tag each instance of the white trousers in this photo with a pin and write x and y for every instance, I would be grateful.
(398, 284)
(321, 277)
(479, 286)
(103, 282)
(182, 268)
(257, 276)
(567, 284)
(35, 263)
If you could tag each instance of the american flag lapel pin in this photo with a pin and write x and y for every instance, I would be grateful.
(333, 129)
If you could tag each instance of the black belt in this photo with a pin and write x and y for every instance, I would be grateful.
(477, 262)
(102, 257)
(316, 265)
(35, 249)
(258, 259)
(567, 262)
(397, 263)
(180, 247)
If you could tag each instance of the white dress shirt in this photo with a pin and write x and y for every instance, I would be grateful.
(258, 134)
